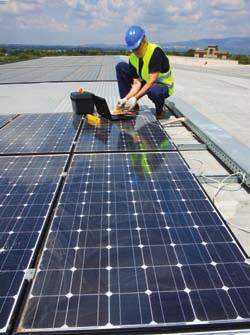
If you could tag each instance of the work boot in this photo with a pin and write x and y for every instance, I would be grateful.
(161, 115)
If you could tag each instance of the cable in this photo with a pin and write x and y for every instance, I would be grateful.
(223, 184)
(183, 132)
(202, 166)
(219, 185)
(239, 227)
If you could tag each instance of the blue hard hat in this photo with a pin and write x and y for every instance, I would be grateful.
(134, 36)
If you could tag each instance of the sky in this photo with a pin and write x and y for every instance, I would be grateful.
(79, 22)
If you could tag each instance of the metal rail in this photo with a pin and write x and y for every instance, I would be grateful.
(235, 155)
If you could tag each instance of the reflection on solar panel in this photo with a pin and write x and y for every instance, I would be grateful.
(142, 134)
(27, 186)
(5, 118)
(136, 243)
(39, 133)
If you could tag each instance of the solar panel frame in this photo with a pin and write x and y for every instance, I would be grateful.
(22, 192)
(145, 258)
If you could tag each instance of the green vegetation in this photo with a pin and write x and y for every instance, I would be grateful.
(242, 59)
(20, 55)
(188, 53)
(15, 55)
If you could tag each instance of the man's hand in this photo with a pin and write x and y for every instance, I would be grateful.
(121, 102)
(130, 103)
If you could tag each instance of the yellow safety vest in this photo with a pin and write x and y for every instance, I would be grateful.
(163, 78)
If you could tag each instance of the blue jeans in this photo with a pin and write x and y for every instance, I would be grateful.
(157, 93)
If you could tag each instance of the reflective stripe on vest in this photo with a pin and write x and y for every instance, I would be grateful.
(165, 78)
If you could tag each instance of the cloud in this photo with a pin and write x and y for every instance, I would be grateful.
(20, 7)
(228, 5)
(86, 21)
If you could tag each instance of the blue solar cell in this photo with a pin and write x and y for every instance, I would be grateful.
(225, 252)
(10, 283)
(201, 277)
(61, 282)
(122, 313)
(46, 308)
(47, 133)
(84, 318)
(172, 307)
(6, 306)
(234, 274)
(215, 234)
(127, 280)
(240, 298)
(14, 259)
(185, 235)
(138, 250)
(24, 204)
(142, 134)
(211, 305)
(97, 277)
(165, 278)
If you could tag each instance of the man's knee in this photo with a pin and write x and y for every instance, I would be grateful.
(121, 67)
(158, 92)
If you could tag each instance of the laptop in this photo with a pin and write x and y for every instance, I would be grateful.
(103, 110)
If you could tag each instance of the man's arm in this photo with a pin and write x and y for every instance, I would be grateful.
(137, 91)
(136, 86)
(152, 80)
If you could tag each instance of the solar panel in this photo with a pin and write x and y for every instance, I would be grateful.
(5, 118)
(60, 69)
(142, 134)
(107, 71)
(27, 186)
(39, 133)
(136, 244)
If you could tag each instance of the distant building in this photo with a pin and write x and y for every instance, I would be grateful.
(212, 51)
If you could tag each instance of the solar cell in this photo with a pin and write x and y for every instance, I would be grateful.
(39, 133)
(142, 134)
(135, 247)
(27, 186)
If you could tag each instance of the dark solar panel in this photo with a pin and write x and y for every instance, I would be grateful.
(39, 133)
(27, 186)
(5, 118)
(135, 242)
(142, 134)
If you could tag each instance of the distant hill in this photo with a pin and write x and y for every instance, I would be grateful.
(233, 45)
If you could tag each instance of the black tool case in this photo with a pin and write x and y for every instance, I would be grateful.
(82, 103)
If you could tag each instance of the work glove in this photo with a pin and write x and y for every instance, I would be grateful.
(130, 104)
(121, 102)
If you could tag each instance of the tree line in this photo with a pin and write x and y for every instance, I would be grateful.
(15, 55)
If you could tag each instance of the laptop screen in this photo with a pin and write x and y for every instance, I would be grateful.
(102, 107)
